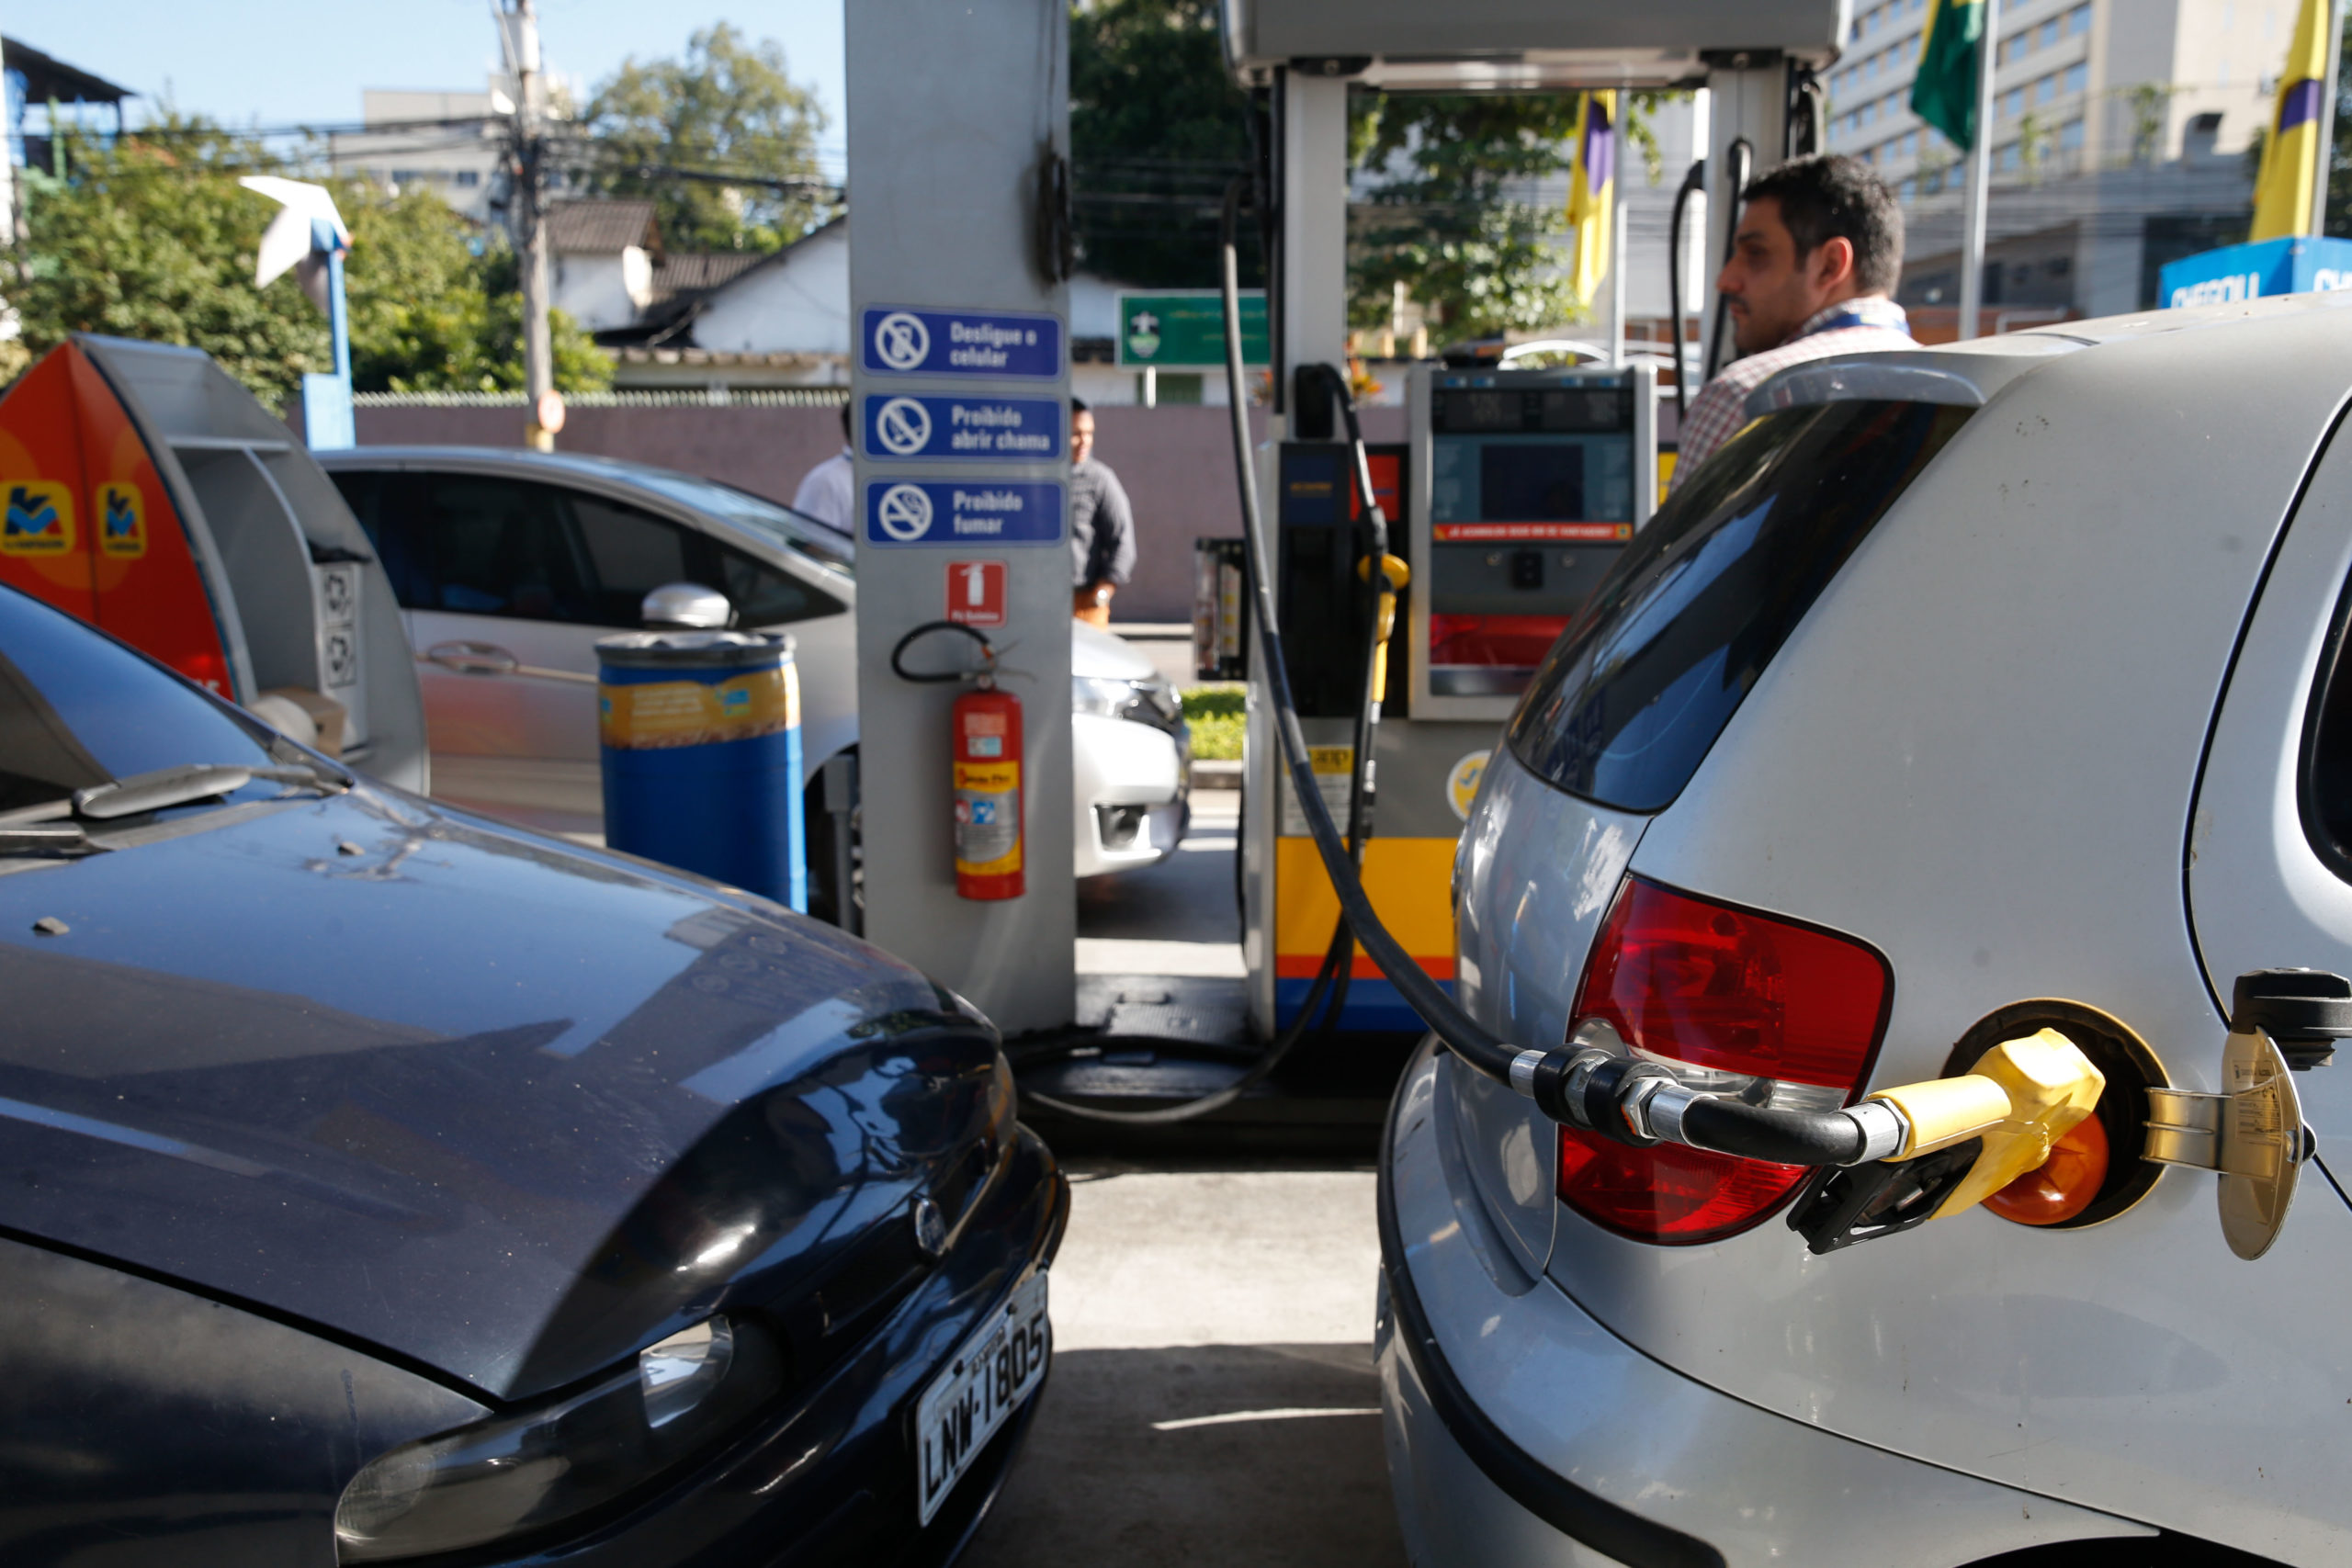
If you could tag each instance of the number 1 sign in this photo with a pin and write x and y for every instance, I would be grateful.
(975, 592)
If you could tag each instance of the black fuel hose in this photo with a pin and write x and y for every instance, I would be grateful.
(1780, 1137)
(1478, 1047)
(1579, 1086)
(1739, 160)
(1693, 183)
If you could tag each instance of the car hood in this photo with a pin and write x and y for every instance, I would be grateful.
(504, 1109)
(1102, 656)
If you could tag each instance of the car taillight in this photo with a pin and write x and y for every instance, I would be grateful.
(1734, 1003)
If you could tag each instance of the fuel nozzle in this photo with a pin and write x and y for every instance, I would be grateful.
(1900, 1158)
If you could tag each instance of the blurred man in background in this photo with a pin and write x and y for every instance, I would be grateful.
(1101, 526)
(827, 493)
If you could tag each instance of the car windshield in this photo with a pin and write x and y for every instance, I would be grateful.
(1628, 703)
(804, 535)
(78, 710)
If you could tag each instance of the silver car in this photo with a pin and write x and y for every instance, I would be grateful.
(1966, 691)
(510, 565)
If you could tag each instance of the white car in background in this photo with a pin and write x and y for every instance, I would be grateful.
(510, 565)
(1964, 692)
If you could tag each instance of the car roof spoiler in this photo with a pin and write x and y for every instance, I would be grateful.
(1962, 377)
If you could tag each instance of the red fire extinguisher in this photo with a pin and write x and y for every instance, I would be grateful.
(988, 793)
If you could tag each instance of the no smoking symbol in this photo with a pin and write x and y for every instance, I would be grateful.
(904, 512)
(901, 339)
(903, 425)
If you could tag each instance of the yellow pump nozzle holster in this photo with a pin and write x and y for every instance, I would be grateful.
(1398, 574)
(2020, 1097)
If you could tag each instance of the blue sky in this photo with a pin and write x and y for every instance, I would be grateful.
(274, 62)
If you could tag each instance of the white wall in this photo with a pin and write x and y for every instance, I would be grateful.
(795, 303)
(602, 289)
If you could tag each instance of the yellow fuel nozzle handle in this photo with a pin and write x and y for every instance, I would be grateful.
(1397, 574)
(2020, 1097)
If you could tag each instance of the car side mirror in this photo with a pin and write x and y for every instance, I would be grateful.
(686, 606)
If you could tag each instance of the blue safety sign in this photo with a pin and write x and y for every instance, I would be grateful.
(1004, 345)
(965, 425)
(926, 512)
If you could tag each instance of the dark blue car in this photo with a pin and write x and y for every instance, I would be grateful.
(378, 1182)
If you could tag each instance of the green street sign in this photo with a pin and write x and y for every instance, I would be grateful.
(1185, 330)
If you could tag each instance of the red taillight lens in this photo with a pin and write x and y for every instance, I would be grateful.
(1735, 1003)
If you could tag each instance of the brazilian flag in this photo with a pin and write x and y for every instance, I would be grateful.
(1952, 46)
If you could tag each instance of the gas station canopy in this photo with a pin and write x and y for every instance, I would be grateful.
(1523, 45)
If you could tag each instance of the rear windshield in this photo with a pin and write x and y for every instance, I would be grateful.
(1627, 704)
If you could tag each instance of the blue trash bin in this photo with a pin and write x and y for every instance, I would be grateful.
(701, 734)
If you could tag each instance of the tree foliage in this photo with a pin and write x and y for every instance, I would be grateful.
(1443, 219)
(727, 107)
(1157, 129)
(151, 237)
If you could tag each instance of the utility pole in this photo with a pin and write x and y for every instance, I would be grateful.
(518, 31)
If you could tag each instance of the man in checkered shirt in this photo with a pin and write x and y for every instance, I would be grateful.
(1816, 254)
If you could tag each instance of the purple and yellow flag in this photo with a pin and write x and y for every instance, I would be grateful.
(2290, 155)
(1593, 193)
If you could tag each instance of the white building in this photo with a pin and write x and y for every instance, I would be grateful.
(2080, 84)
(2118, 139)
(448, 142)
(601, 260)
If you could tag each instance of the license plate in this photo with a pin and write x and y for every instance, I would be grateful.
(1000, 1365)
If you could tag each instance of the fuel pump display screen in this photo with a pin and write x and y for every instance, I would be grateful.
(1530, 498)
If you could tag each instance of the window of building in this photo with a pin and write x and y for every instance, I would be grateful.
(2070, 136)
(2078, 77)
(1907, 191)
(468, 178)
(2006, 159)
(2079, 20)
(2046, 89)
(2048, 35)
(2013, 103)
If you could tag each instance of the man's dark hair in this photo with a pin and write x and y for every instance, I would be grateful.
(844, 419)
(1078, 405)
(1833, 197)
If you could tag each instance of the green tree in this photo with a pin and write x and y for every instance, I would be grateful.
(152, 237)
(1156, 130)
(434, 308)
(2337, 219)
(727, 109)
(1442, 218)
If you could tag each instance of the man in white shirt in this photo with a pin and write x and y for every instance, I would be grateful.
(827, 493)
(1814, 262)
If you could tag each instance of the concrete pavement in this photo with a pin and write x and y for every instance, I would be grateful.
(1211, 1399)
